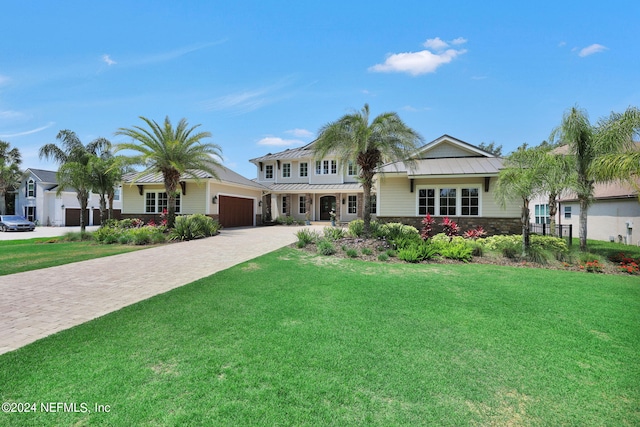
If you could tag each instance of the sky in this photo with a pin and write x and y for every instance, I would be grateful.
(264, 76)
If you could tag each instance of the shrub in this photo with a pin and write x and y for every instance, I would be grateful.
(538, 254)
(333, 233)
(356, 228)
(107, 234)
(450, 227)
(391, 253)
(325, 247)
(459, 252)
(393, 230)
(366, 251)
(197, 226)
(140, 236)
(383, 257)
(427, 228)
(409, 254)
(306, 236)
(475, 233)
(352, 253)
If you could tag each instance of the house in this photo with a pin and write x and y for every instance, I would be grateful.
(461, 175)
(448, 177)
(233, 200)
(37, 199)
(294, 177)
(613, 213)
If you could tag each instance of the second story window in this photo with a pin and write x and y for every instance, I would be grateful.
(352, 169)
(31, 188)
(268, 172)
(304, 169)
(326, 167)
(286, 170)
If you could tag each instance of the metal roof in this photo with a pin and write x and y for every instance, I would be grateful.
(448, 166)
(288, 154)
(225, 175)
(314, 188)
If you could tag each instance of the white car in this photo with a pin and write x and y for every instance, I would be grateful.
(15, 223)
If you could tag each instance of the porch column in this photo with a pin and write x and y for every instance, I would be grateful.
(338, 207)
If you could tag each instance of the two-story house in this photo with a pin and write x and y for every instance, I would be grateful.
(297, 181)
(39, 200)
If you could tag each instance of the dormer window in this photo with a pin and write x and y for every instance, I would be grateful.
(286, 170)
(326, 167)
(268, 172)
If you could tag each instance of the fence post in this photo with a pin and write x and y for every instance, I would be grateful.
(570, 234)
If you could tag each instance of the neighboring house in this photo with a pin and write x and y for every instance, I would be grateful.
(448, 178)
(37, 199)
(612, 216)
(233, 200)
(294, 175)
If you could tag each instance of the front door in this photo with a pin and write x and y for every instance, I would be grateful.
(327, 203)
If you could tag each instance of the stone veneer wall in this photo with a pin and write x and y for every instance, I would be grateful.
(492, 226)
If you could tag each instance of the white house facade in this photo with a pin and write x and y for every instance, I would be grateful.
(39, 200)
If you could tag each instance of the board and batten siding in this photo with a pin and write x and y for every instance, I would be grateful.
(395, 198)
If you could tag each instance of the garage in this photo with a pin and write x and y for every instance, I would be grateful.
(72, 217)
(235, 211)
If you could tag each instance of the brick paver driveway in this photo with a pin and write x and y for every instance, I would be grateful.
(39, 303)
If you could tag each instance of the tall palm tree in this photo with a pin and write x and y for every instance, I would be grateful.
(586, 143)
(171, 152)
(10, 172)
(105, 174)
(74, 158)
(369, 145)
(556, 175)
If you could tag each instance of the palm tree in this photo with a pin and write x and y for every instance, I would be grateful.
(10, 173)
(171, 152)
(586, 143)
(556, 176)
(105, 174)
(369, 145)
(74, 158)
(520, 179)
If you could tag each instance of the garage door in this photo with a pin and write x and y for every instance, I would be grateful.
(72, 217)
(235, 211)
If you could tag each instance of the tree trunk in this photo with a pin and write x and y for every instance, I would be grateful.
(584, 206)
(103, 208)
(111, 196)
(83, 198)
(553, 210)
(524, 218)
(170, 184)
(366, 215)
(3, 203)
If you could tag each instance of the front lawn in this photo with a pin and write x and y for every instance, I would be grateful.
(32, 254)
(297, 339)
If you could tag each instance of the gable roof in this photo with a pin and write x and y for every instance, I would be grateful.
(288, 154)
(43, 175)
(460, 158)
(609, 191)
(226, 175)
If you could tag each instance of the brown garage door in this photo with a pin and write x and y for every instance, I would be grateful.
(72, 217)
(235, 211)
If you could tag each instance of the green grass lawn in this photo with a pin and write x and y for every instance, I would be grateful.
(297, 339)
(32, 254)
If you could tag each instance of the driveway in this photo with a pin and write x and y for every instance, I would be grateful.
(42, 232)
(38, 303)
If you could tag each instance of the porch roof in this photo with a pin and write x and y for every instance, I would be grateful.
(315, 188)
(463, 166)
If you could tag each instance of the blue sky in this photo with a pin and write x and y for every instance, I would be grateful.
(264, 76)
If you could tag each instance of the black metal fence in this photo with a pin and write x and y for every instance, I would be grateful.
(562, 230)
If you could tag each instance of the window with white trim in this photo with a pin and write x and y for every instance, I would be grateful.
(450, 201)
(157, 202)
(352, 169)
(268, 172)
(373, 204)
(541, 214)
(302, 205)
(470, 202)
(426, 201)
(326, 167)
(116, 193)
(352, 204)
(30, 213)
(31, 188)
(304, 169)
(286, 170)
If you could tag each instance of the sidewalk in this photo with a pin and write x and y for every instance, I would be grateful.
(38, 303)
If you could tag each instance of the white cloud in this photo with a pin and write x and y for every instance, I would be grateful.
(4, 80)
(562, 44)
(247, 100)
(275, 141)
(590, 50)
(300, 133)
(422, 62)
(11, 115)
(107, 59)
